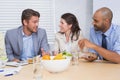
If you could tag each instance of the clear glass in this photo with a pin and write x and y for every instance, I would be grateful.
(75, 58)
(3, 58)
(2, 63)
(75, 55)
(37, 68)
(30, 60)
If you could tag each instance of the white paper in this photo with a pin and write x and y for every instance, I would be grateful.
(14, 70)
(16, 64)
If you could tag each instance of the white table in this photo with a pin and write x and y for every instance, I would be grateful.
(98, 70)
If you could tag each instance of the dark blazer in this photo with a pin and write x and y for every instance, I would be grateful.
(14, 42)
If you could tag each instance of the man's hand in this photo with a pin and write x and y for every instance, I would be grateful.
(89, 56)
(43, 52)
(85, 43)
(16, 60)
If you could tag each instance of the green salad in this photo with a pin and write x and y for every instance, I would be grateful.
(66, 53)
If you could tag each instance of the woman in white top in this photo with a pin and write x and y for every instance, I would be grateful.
(69, 35)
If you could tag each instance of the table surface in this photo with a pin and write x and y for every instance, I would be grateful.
(98, 70)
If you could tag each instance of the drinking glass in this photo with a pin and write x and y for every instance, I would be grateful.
(2, 63)
(75, 58)
(75, 55)
(37, 68)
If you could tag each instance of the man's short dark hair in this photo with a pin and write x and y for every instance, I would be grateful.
(28, 13)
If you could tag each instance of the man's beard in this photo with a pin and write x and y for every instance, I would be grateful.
(96, 29)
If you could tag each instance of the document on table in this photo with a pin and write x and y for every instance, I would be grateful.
(16, 64)
(10, 71)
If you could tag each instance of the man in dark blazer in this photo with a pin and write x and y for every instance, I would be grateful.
(27, 40)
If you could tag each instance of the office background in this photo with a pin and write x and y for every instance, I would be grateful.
(51, 11)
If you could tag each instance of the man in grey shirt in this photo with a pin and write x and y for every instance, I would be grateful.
(27, 40)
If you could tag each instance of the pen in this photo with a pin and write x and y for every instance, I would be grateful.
(1, 70)
(8, 74)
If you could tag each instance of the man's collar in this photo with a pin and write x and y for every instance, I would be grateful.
(108, 32)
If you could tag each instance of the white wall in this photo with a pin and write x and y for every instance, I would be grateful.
(112, 4)
(82, 9)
